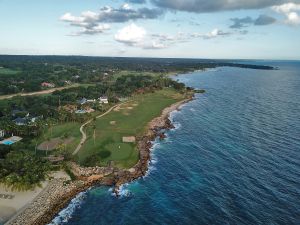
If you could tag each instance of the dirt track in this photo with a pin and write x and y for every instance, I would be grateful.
(48, 91)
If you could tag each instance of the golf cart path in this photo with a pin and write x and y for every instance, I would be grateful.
(83, 139)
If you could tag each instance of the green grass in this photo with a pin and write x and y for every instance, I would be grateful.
(134, 73)
(129, 122)
(6, 71)
(59, 131)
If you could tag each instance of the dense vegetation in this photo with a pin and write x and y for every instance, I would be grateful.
(23, 170)
(26, 73)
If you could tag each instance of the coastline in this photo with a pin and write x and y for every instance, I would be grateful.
(60, 192)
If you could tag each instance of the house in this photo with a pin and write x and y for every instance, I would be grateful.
(76, 77)
(103, 100)
(47, 85)
(20, 121)
(68, 82)
(2, 133)
(82, 101)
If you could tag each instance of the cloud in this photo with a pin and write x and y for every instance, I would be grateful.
(131, 35)
(97, 29)
(262, 20)
(216, 33)
(290, 10)
(239, 23)
(137, 1)
(96, 22)
(286, 8)
(203, 6)
(136, 36)
(109, 14)
(212, 34)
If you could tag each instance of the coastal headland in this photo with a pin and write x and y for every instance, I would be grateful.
(60, 191)
(96, 127)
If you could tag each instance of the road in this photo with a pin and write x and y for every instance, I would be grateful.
(48, 91)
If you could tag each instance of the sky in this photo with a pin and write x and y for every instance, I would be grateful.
(217, 29)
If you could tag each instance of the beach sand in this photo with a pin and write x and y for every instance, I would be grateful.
(11, 207)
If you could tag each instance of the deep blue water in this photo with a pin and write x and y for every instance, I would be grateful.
(233, 159)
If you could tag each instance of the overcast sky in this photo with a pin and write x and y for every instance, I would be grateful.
(248, 29)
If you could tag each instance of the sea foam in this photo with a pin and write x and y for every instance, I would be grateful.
(66, 214)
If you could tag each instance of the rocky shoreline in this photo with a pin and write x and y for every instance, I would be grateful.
(60, 192)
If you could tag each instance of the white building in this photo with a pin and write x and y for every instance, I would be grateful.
(2, 133)
(103, 100)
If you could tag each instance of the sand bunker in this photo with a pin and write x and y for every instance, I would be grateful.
(130, 139)
(113, 122)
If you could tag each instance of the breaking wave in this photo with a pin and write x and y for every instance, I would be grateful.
(66, 214)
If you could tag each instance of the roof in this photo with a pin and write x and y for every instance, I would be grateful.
(20, 120)
(82, 101)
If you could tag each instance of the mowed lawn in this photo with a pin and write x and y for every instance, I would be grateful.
(6, 71)
(69, 130)
(130, 119)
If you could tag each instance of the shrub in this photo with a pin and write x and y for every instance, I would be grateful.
(104, 154)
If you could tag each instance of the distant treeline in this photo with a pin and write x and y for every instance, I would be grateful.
(26, 73)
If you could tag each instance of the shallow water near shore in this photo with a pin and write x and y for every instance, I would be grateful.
(234, 157)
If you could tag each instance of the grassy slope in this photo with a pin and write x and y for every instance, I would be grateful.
(129, 122)
(72, 129)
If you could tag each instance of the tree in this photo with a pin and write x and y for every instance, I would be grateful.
(22, 170)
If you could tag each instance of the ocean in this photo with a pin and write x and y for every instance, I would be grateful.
(233, 158)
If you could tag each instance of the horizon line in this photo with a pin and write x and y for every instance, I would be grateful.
(192, 58)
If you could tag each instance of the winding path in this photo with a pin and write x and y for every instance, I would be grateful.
(83, 139)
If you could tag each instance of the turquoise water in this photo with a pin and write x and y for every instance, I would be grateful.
(234, 158)
(7, 142)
